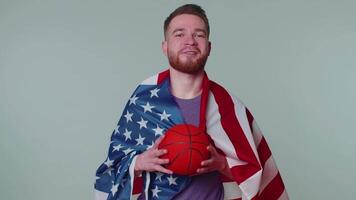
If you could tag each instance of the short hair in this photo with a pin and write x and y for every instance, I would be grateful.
(191, 9)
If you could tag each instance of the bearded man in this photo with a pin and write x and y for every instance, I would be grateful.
(240, 164)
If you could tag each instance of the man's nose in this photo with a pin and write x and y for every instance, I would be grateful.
(191, 40)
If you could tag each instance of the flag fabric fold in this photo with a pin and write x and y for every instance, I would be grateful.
(151, 110)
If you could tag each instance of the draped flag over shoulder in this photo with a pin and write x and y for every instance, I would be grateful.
(151, 111)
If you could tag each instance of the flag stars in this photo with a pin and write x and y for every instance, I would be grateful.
(164, 115)
(159, 176)
(154, 92)
(128, 116)
(116, 131)
(142, 123)
(117, 147)
(127, 151)
(133, 100)
(127, 134)
(158, 130)
(108, 162)
(114, 189)
(155, 191)
(171, 180)
(108, 171)
(140, 140)
(147, 107)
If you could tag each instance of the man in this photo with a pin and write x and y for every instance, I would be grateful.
(241, 165)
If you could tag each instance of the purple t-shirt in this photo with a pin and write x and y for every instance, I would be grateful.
(207, 186)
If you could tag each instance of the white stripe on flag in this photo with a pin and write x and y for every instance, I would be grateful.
(218, 134)
(151, 80)
(284, 196)
(257, 134)
(269, 172)
(250, 186)
(132, 175)
(135, 196)
(240, 111)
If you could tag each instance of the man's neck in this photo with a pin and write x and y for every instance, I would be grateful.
(186, 86)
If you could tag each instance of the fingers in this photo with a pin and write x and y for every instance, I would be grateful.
(159, 152)
(159, 168)
(207, 162)
(204, 170)
(212, 150)
(150, 161)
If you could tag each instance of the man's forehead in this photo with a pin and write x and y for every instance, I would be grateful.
(184, 21)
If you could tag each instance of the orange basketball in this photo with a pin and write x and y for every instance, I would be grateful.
(186, 148)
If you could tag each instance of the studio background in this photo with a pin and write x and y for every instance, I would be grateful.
(67, 69)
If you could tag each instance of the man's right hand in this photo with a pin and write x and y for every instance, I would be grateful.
(149, 160)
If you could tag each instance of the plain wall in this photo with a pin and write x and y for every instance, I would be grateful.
(68, 67)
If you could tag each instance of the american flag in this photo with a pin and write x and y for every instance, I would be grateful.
(151, 111)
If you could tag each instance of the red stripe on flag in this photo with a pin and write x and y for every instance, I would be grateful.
(250, 119)
(137, 186)
(162, 76)
(242, 172)
(235, 133)
(274, 189)
(203, 102)
(263, 151)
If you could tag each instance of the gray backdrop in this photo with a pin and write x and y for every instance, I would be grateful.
(68, 67)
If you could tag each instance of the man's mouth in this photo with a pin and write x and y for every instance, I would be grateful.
(190, 51)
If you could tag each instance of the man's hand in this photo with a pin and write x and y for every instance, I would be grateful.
(150, 161)
(216, 162)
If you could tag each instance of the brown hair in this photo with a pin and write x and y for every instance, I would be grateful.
(191, 9)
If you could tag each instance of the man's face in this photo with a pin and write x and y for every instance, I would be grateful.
(187, 46)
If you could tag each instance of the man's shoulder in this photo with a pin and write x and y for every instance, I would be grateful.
(156, 79)
(152, 80)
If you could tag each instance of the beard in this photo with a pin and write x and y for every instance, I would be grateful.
(189, 65)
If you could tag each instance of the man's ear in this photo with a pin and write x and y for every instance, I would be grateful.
(164, 47)
(209, 46)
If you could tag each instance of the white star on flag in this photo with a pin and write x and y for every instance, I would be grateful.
(117, 147)
(154, 92)
(127, 151)
(158, 131)
(164, 115)
(159, 176)
(127, 134)
(140, 140)
(108, 171)
(109, 162)
(128, 116)
(147, 107)
(117, 130)
(143, 123)
(155, 191)
(114, 189)
(149, 146)
(172, 180)
(133, 100)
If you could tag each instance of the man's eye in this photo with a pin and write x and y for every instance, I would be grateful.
(179, 35)
(200, 35)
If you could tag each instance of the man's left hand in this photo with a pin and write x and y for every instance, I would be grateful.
(216, 162)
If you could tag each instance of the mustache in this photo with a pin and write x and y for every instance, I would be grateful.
(189, 49)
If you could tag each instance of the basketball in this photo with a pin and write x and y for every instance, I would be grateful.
(186, 148)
